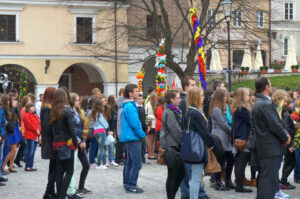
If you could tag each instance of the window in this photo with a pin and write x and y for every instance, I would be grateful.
(286, 46)
(7, 27)
(260, 15)
(153, 30)
(237, 20)
(212, 20)
(238, 57)
(84, 30)
(288, 11)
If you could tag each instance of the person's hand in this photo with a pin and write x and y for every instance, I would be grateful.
(110, 133)
(148, 130)
(82, 145)
(288, 141)
(38, 132)
(291, 149)
(0, 139)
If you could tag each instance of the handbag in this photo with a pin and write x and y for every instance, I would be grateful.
(212, 165)
(192, 146)
(160, 157)
(172, 157)
(219, 148)
(64, 152)
(240, 144)
(10, 126)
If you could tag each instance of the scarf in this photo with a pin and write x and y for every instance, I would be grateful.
(174, 108)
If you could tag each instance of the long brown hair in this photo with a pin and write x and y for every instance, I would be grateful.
(239, 99)
(218, 100)
(194, 97)
(98, 108)
(73, 97)
(48, 97)
(59, 101)
(107, 110)
(24, 101)
(5, 105)
(152, 100)
(85, 103)
(16, 116)
(160, 102)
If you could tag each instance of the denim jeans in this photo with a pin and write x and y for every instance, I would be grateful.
(101, 148)
(31, 147)
(93, 149)
(195, 182)
(133, 164)
(297, 168)
(111, 156)
(1, 153)
(185, 187)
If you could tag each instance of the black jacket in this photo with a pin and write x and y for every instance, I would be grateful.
(64, 129)
(142, 116)
(289, 125)
(268, 128)
(199, 125)
(182, 104)
(47, 134)
(241, 123)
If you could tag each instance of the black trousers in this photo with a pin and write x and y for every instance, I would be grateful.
(65, 169)
(289, 165)
(50, 189)
(20, 155)
(119, 150)
(82, 155)
(241, 160)
(268, 177)
(222, 159)
(175, 176)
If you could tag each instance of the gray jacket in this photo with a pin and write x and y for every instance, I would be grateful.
(119, 116)
(221, 128)
(170, 133)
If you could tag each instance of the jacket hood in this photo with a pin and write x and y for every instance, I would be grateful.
(120, 101)
(126, 101)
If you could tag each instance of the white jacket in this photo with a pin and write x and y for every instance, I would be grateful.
(150, 115)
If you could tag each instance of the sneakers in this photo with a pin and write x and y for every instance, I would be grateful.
(102, 167)
(220, 187)
(113, 163)
(84, 191)
(281, 195)
(134, 190)
(286, 185)
(93, 166)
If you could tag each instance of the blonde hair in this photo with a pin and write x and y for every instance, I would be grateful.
(194, 97)
(279, 95)
(239, 99)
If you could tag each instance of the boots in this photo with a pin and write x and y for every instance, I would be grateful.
(220, 186)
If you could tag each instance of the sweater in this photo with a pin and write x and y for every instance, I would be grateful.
(158, 114)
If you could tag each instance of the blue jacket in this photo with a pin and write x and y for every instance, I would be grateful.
(131, 127)
(100, 123)
(2, 122)
(241, 124)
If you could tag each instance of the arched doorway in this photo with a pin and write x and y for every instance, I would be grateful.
(150, 74)
(13, 71)
(81, 78)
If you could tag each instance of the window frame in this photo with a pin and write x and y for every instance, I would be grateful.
(287, 11)
(210, 12)
(259, 17)
(17, 26)
(236, 23)
(158, 33)
(285, 46)
(93, 28)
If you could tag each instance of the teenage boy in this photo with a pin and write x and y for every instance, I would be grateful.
(131, 134)
(142, 117)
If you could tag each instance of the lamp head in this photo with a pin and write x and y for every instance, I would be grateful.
(227, 9)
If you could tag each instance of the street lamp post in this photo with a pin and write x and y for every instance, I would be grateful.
(227, 10)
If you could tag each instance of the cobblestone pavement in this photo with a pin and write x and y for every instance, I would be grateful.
(107, 184)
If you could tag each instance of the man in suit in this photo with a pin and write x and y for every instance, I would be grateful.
(270, 137)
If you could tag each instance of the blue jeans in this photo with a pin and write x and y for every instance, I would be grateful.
(93, 149)
(133, 164)
(111, 156)
(195, 182)
(184, 186)
(1, 153)
(297, 168)
(31, 147)
(101, 148)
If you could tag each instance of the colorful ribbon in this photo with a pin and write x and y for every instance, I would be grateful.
(161, 69)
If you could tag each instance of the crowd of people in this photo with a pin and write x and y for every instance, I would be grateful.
(240, 128)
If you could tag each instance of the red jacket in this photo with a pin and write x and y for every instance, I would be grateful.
(159, 114)
(31, 125)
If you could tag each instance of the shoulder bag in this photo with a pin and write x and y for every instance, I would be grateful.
(63, 152)
(192, 146)
(212, 165)
(238, 143)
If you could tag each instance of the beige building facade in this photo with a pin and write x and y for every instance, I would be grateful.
(61, 32)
